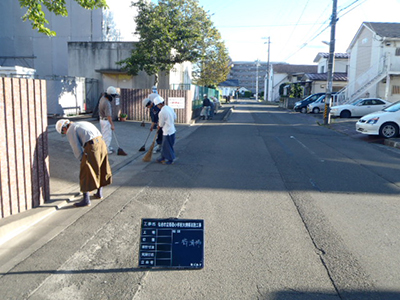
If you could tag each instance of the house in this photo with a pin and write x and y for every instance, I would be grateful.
(282, 74)
(374, 66)
(229, 87)
(340, 62)
(317, 82)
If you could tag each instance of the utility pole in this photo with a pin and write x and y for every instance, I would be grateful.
(257, 65)
(328, 95)
(267, 75)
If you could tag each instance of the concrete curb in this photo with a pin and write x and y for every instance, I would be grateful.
(395, 143)
(228, 114)
(16, 224)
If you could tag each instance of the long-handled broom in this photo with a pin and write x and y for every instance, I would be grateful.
(143, 148)
(149, 153)
(120, 151)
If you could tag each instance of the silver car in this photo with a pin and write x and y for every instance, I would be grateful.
(317, 106)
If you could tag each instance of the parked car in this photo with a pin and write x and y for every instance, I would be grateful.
(359, 107)
(318, 105)
(301, 106)
(385, 123)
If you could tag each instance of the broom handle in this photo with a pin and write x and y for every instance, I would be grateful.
(147, 137)
(155, 137)
(115, 136)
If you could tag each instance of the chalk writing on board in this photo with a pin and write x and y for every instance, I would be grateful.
(172, 243)
(190, 243)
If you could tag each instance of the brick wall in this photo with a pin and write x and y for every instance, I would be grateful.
(24, 160)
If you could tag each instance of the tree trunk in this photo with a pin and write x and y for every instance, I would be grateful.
(156, 79)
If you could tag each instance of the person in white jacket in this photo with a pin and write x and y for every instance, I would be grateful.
(166, 121)
(105, 114)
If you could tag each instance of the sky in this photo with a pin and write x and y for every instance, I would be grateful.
(296, 28)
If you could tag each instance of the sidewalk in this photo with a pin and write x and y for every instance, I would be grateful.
(64, 168)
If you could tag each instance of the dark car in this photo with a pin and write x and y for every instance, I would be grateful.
(301, 106)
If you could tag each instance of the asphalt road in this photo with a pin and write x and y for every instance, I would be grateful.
(292, 210)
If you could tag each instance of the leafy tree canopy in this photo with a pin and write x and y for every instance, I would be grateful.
(172, 32)
(36, 15)
(215, 64)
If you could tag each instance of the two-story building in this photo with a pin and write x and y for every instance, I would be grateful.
(317, 82)
(374, 65)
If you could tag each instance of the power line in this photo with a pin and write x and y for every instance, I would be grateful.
(294, 28)
(263, 26)
(312, 39)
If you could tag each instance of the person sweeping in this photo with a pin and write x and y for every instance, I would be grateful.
(166, 121)
(154, 111)
(105, 114)
(89, 147)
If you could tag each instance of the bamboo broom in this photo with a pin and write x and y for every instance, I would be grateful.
(149, 153)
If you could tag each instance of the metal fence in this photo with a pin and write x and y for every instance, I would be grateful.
(131, 103)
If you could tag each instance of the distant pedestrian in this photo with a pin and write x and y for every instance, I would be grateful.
(211, 111)
(154, 112)
(89, 147)
(105, 112)
(205, 112)
(166, 121)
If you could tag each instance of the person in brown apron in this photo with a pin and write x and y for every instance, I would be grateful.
(89, 147)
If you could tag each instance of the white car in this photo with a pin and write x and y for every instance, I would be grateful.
(385, 123)
(359, 107)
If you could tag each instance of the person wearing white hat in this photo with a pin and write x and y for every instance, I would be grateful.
(166, 121)
(105, 114)
(154, 111)
(89, 147)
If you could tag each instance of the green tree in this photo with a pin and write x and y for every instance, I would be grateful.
(296, 90)
(172, 32)
(36, 15)
(215, 64)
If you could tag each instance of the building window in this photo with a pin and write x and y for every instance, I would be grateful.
(395, 89)
(397, 51)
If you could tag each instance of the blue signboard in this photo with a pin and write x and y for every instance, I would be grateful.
(172, 243)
